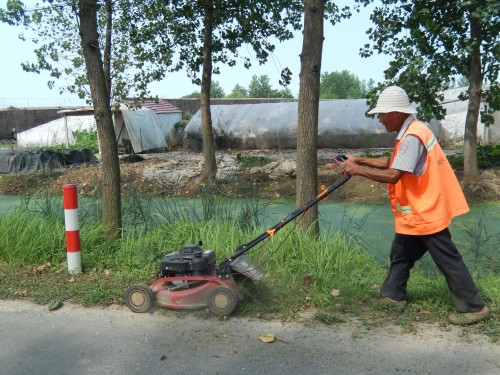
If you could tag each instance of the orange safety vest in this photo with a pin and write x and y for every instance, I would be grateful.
(426, 204)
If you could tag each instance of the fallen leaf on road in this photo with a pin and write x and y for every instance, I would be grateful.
(54, 305)
(268, 337)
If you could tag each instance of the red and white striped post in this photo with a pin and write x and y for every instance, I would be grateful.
(72, 228)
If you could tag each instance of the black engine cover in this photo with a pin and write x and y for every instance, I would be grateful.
(191, 260)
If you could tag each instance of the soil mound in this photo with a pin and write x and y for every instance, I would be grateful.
(267, 173)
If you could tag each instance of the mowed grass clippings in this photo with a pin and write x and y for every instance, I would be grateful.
(44, 283)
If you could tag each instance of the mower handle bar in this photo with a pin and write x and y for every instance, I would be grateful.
(224, 265)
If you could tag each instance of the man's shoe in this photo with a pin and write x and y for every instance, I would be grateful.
(464, 319)
(386, 301)
(391, 302)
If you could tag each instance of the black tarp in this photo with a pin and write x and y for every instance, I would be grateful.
(14, 161)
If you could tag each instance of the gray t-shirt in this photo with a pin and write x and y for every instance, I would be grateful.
(412, 154)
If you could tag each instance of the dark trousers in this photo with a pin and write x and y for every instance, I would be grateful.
(406, 250)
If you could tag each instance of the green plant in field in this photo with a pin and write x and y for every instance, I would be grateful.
(456, 160)
(252, 161)
(407, 325)
(368, 145)
(186, 117)
(85, 139)
(488, 156)
(481, 249)
(28, 238)
(327, 318)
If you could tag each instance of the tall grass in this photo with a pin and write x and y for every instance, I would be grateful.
(154, 229)
(481, 249)
(144, 217)
(330, 262)
(26, 238)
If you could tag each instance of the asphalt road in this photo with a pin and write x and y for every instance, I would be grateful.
(79, 341)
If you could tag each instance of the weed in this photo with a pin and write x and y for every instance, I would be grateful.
(186, 117)
(407, 325)
(85, 139)
(368, 145)
(252, 161)
(480, 248)
(487, 157)
(357, 336)
(327, 318)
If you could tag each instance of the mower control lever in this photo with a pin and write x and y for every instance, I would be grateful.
(339, 158)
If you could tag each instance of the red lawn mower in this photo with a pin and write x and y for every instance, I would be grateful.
(191, 279)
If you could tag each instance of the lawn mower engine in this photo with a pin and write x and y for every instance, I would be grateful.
(190, 260)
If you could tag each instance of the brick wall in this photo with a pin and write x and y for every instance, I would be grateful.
(25, 118)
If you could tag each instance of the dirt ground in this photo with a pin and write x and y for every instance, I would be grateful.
(178, 173)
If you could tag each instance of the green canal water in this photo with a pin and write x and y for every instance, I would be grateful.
(372, 225)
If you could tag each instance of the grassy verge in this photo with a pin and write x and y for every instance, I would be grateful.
(330, 279)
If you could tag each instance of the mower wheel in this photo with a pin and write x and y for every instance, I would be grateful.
(222, 301)
(139, 298)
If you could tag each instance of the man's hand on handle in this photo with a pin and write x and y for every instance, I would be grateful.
(346, 162)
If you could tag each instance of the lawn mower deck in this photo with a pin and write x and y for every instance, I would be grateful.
(190, 279)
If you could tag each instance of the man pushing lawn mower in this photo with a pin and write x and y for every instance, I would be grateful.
(425, 195)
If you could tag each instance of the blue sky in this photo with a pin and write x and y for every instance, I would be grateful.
(340, 52)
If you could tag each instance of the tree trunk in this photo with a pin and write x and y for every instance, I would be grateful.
(471, 171)
(107, 46)
(307, 132)
(210, 170)
(111, 201)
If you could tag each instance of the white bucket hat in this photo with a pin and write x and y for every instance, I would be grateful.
(393, 99)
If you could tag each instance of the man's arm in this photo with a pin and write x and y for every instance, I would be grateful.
(387, 175)
(376, 169)
(379, 163)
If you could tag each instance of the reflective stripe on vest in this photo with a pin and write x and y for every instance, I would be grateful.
(431, 143)
(404, 209)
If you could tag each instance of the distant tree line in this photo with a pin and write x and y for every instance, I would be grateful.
(344, 85)
(259, 87)
(333, 85)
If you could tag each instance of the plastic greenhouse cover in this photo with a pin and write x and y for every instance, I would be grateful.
(341, 124)
(143, 129)
(17, 161)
